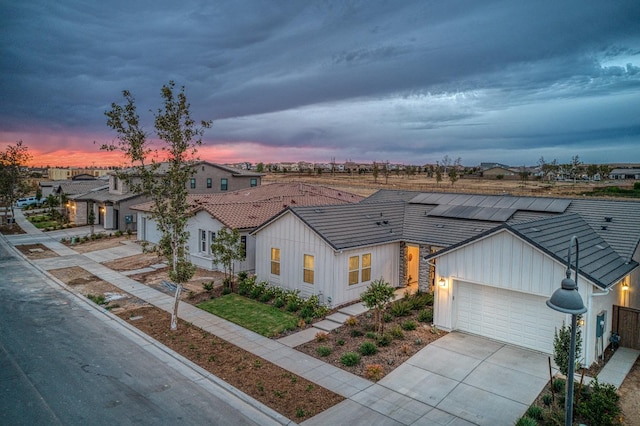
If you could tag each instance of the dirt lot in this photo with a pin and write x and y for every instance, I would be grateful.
(630, 396)
(36, 251)
(99, 244)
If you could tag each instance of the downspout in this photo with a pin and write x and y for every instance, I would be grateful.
(590, 311)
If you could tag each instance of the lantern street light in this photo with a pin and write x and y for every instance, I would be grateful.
(568, 301)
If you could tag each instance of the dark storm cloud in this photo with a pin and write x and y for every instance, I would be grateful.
(369, 80)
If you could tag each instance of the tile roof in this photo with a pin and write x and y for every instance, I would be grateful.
(248, 208)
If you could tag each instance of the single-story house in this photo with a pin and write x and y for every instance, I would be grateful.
(625, 174)
(243, 210)
(494, 253)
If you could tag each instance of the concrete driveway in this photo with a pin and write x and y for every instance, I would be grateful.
(458, 380)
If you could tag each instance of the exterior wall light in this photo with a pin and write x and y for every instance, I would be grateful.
(442, 282)
(625, 287)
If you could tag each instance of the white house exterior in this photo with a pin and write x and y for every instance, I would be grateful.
(501, 258)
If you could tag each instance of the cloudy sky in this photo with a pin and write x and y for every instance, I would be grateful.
(399, 81)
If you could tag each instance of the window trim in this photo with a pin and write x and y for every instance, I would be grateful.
(224, 184)
(209, 183)
(308, 273)
(363, 270)
(275, 261)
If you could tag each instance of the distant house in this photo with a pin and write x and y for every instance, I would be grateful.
(491, 261)
(112, 203)
(494, 172)
(620, 174)
(243, 210)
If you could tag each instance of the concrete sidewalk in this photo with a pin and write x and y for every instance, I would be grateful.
(459, 379)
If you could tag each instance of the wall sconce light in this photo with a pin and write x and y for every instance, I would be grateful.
(625, 287)
(581, 322)
(442, 282)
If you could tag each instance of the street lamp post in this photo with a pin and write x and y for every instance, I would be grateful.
(568, 301)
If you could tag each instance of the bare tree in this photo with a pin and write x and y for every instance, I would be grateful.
(164, 183)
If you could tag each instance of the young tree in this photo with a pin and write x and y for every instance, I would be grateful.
(377, 296)
(592, 170)
(604, 171)
(438, 172)
(164, 183)
(376, 172)
(453, 171)
(561, 347)
(91, 218)
(386, 171)
(13, 184)
(226, 249)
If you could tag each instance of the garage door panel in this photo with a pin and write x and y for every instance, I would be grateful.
(505, 315)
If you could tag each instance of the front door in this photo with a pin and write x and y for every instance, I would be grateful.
(413, 258)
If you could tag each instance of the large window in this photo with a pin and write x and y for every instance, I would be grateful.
(209, 183)
(243, 243)
(309, 266)
(359, 269)
(275, 261)
(224, 184)
(254, 182)
(192, 183)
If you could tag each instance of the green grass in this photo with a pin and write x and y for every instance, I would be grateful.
(255, 316)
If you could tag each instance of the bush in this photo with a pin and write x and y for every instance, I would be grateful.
(293, 306)
(356, 333)
(425, 315)
(534, 412)
(387, 317)
(245, 284)
(350, 359)
(401, 309)
(409, 325)
(384, 340)
(351, 321)
(547, 399)
(601, 406)
(526, 421)
(397, 332)
(208, 286)
(374, 372)
(561, 343)
(278, 302)
(636, 186)
(559, 385)
(321, 336)
(340, 342)
(368, 348)
(420, 300)
(324, 350)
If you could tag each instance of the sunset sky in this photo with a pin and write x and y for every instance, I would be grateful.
(399, 81)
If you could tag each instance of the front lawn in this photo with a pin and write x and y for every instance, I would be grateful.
(255, 316)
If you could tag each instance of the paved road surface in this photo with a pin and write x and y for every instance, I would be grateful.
(61, 362)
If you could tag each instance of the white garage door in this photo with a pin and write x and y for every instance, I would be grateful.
(508, 316)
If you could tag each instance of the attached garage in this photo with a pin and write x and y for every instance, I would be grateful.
(508, 316)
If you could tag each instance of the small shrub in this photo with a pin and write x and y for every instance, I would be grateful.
(208, 286)
(293, 306)
(306, 311)
(265, 297)
(374, 372)
(371, 335)
(340, 342)
(547, 399)
(387, 317)
(98, 299)
(409, 325)
(278, 302)
(356, 333)
(384, 340)
(321, 336)
(324, 350)
(601, 406)
(301, 412)
(368, 348)
(396, 332)
(350, 359)
(534, 412)
(226, 290)
(559, 385)
(351, 321)
(404, 349)
(401, 308)
(425, 315)
(526, 421)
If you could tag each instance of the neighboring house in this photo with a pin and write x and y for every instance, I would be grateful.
(625, 174)
(243, 210)
(494, 172)
(500, 257)
(112, 203)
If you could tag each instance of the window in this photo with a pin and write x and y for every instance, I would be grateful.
(308, 269)
(254, 182)
(212, 238)
(203, 241)
(192, 183)
(275, 261)
(243, 243)
(115, 183)
(366, 267)
(224, 184)
(355, 271)
(209, 183)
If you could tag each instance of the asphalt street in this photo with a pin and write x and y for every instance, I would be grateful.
(64, 362)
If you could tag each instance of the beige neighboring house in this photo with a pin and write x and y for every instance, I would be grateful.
(494, 172)
(243, 210)
(55, 173)
(112, 202)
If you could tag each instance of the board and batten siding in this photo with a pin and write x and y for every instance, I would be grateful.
(295, 239)
(504, 261)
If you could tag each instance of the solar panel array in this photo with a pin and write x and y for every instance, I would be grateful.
(494, 208)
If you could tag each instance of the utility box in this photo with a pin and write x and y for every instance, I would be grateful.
(128, 219)
(601, 323)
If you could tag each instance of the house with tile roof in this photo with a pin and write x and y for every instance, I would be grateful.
(243, 210)
(491, 261)
(112, 202)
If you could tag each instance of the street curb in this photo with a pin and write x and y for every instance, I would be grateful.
(96, 309)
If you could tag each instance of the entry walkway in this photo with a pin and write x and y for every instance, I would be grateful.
(459, 379)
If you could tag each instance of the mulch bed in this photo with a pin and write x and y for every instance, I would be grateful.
(288, 394)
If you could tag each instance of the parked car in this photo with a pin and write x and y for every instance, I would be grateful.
(28, 201)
